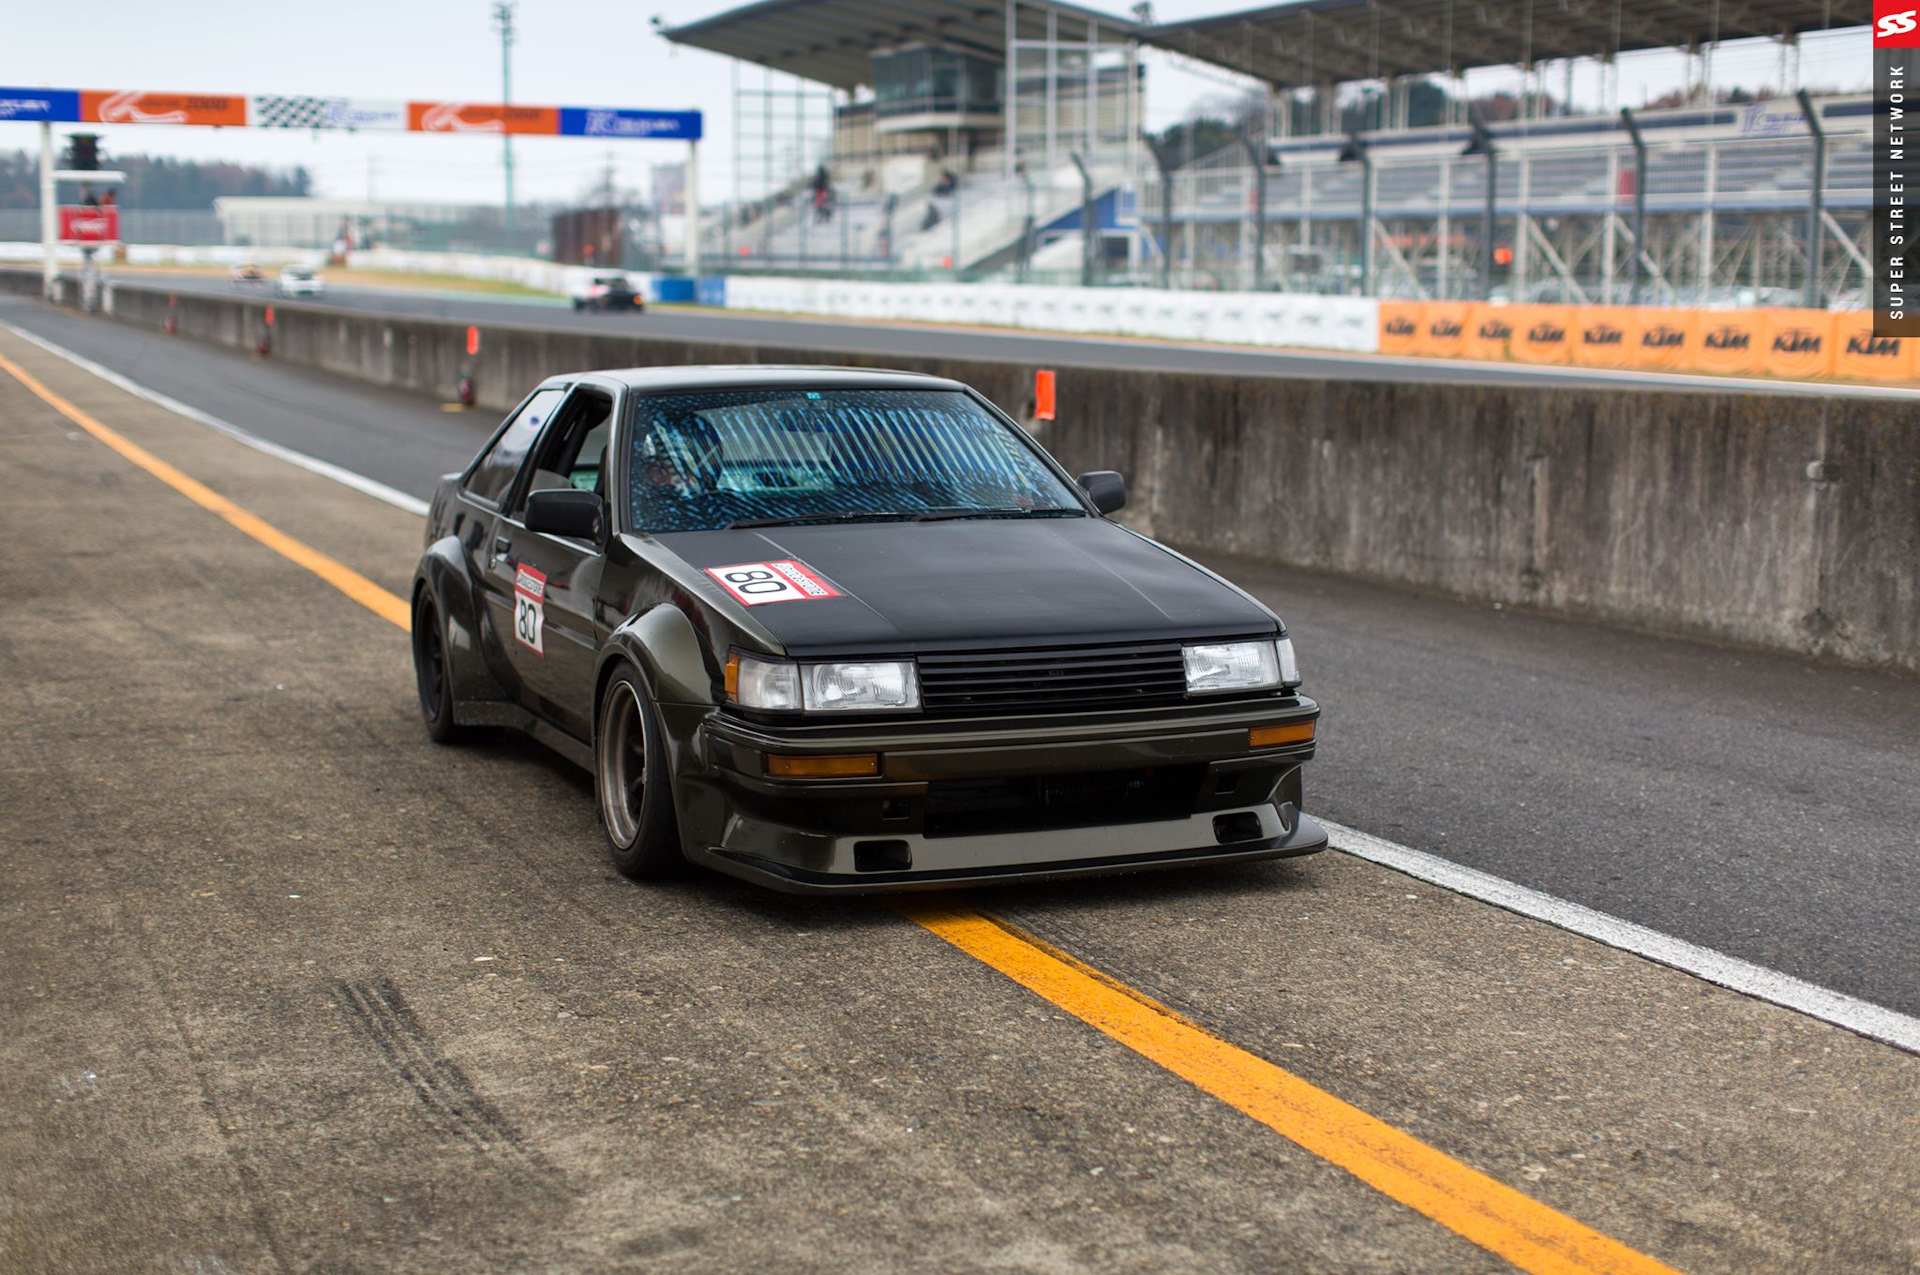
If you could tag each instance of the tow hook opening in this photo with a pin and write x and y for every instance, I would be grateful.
(882, 856)
(1244, 826)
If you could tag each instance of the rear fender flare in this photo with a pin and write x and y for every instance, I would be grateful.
(442, 574)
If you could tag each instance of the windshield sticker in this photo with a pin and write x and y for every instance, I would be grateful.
(785, 581)
(529, 609)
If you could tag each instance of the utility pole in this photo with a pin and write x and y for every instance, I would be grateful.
(503, 23)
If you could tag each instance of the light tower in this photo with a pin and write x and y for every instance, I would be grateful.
(503, 23)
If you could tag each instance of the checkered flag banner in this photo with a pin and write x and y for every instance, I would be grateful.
(272, 111)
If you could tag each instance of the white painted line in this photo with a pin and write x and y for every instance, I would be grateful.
(1850, 1012)
(345, 477)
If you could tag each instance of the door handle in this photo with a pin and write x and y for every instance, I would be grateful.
(501, 547)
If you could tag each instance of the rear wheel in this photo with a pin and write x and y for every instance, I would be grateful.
(631, 768)
(432, 675)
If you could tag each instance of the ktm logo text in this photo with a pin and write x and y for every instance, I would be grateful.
(1898, 23)
(1796, 341)
(1881, 347)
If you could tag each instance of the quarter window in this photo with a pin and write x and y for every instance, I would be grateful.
(494, 474)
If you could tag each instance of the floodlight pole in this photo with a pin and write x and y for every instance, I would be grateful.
(49, 213)
(1257, 158)
(1482, 144)
(503, 23)
(1026, 234)
(1816, 238)
(1639, 203)
(1088, 231)
(690, 202)
(1356, 149)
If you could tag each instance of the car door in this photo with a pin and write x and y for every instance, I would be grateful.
(488, 485)
(541, 587)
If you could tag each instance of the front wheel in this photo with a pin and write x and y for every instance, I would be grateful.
(630, 761)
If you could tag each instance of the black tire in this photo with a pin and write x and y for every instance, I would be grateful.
(578, 305)
(632, 782)
(432, 677)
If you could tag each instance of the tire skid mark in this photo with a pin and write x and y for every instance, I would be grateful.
(380, 1014)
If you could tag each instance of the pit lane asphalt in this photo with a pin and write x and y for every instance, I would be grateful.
(1754, 804)
(833, 338)
(288, 987)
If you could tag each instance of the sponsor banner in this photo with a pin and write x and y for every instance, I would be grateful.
(1489, 333)
(1601, 336)
(594, 121)
(1799, 343)
(138, 106)
(348, 114)
(1541, 333)
(1661, 340)
(1400, 326)
(1443, 330)
(1732, 342)
(482, 117)
(1896, 57)
(56, 106)
(1862, 353)
(88, 224)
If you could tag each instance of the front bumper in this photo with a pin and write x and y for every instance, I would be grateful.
(965, 803)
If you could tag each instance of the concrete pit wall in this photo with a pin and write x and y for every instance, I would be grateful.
(1781, 521)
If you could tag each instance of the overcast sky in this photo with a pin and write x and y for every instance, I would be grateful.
(568, 52)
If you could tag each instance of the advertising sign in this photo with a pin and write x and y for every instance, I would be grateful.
(1660, 340)
(137, 106)
(1400, 324)
(57, 106)
(1732, 342)
(1600, 336)
(1799, 343)
(481, 117)
(1443, 331)
(1863, 353)
(89, 224)
(349, 114)
(1896, 43)
(1489, 333)
(1541, 333)
(592, 121)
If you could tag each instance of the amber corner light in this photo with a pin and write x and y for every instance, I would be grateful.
(733, 676)
(1291, 733)
(837, 766)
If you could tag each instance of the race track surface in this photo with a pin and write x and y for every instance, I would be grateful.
(290, 987)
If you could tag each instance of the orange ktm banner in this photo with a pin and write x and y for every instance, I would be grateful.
(1400, 326)
(1661, 340)
(1799, 343)
(1732, 342)
(1443, 334)
(1541, 333)
(1489, 332)
(1600, 336)
(140, 107)
(481, 117)
(1859, 355)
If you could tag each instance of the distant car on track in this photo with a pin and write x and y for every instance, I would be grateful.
(609, 292)
(300, 281)
(245, 276)
(836, 630)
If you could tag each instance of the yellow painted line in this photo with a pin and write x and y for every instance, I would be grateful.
(1491, 1214)
(386, 605)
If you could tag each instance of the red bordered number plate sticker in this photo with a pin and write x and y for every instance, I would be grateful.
(530, 609)
(784, 581)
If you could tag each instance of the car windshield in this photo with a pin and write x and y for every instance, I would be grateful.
(708, 459)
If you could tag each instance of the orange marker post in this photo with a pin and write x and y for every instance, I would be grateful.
(1043, 394)
(473, 341)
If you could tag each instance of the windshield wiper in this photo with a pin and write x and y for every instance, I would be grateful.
(868, 515)
(946, 515)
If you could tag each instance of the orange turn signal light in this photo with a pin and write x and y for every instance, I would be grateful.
(1291, 733)
(733, 676)
(834, 766)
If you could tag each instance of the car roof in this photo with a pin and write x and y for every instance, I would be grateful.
(757, 376)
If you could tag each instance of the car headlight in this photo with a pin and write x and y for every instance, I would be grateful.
(1232, 666)
(849, 686)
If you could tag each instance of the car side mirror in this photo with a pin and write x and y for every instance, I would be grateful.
(1106, 489)
(564, 511)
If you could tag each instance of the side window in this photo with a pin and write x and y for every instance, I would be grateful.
(572, 451)
(494, 474)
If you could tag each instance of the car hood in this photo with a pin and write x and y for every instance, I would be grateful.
(973, 583)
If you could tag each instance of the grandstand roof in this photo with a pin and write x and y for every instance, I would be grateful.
(832, 41)
(1319, 41)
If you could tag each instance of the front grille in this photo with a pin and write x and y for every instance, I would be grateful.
(1053, 679)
